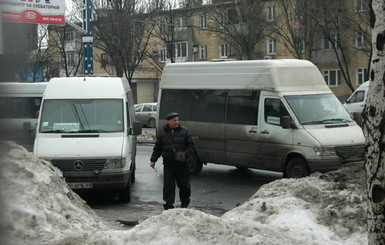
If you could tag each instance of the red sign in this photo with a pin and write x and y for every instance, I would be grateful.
(33, 11)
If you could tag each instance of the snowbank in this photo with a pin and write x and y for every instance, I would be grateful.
(326, 209)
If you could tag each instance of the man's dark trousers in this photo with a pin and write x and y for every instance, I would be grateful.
(179, 173)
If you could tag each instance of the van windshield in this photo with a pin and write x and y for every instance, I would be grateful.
(318, 109)
(82, 116)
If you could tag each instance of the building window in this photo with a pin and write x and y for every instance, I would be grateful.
(203, 22)
(360, 41)
(70, 59)
(330, 41)
(162, 55)
(332, 77)
(223, 20)
(270, 13)
(300, 45)
(180, 23)
(138, 58)
(69, 35)
(181, 50)
(203, 52)
(162, 27)
(223, 50)
(271, 46)
(362, 75)
(361, 5)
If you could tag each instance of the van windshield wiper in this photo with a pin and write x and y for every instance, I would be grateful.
(53, 131)
(325, 121)
(92, 131)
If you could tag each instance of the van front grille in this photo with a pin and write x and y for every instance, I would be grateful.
(347, 152)
(79, 164)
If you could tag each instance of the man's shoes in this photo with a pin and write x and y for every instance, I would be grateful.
(168, 206)
(183, 205)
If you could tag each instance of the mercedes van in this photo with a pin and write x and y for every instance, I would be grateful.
(276, 115)
(87, 129)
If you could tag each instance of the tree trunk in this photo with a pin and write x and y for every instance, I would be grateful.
(374, 129)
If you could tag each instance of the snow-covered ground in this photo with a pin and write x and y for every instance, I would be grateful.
(39, 208)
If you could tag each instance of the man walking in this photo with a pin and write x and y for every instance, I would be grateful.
(174, 143)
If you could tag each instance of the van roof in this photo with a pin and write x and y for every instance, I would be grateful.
(289, 75)
(86, 87)
(22, 89)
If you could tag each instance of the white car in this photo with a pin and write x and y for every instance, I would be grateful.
(356, 102)
(146, 113)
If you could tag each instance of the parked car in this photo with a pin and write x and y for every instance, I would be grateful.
(356, 102)
(146, 114)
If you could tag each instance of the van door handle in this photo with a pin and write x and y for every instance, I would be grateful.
(252, 131)
(265, 132)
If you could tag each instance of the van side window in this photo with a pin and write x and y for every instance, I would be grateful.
(274, 110)
(194, 105)
(358, 96)
(242, 107)
(19, 107)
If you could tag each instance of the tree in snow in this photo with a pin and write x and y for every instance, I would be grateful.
(374, 128)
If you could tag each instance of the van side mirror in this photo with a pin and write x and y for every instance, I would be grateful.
(286, 122)
(136, 128)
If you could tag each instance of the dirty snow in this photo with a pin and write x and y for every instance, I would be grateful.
(324, 209)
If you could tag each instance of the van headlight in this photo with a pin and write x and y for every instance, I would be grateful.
(325, 151)
(115, 163)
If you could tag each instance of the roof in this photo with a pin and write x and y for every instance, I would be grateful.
(274, 75)
(86, 87)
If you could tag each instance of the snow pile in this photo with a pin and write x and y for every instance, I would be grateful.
(324, 209)
(146, 137)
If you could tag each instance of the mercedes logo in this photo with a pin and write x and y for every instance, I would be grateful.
(78, 165)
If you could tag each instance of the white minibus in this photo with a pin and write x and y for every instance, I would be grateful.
(19, 107)
(276, 115)
(87, 129)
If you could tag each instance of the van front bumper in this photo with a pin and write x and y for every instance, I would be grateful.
(100, 182)
(324, 165)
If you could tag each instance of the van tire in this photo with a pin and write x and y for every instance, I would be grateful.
(125, 194)
(152, 123)
(195, 165)
(297, 168)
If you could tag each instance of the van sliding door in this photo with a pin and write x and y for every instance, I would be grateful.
(203, 113)
(242, 128)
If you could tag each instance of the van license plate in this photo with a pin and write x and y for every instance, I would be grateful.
(80, 185)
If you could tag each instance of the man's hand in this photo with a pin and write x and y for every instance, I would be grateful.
(152, 164)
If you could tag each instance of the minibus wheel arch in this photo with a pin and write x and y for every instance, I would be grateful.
(296, 167)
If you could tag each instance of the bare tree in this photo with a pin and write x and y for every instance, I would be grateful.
(373, 127)
(162, 17)
(119, 34)
(66, 41)
(332, 19)
(30, 55)
(295, 27)
(241, 24)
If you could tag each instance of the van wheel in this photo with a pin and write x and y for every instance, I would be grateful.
(152, 123)
(195, 165)
(125, 194)
(297, 168)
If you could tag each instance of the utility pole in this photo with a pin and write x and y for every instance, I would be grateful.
(87, 38)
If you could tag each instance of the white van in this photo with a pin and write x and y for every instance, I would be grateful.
(356, 102)
(276, 115)
(87, 129)
(19, 107)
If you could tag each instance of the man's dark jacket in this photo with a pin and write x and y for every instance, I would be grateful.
(182, 140)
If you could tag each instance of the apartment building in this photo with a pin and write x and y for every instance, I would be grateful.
(340, 51)
(266, 29)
